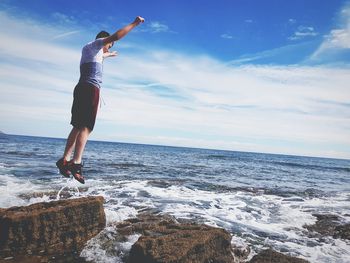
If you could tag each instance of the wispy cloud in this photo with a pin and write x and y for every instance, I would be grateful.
(250, 103)
(165, 97)
(272, 55)
(241, 104)
(337, 42)
(63, 18)
(156, 27)
(292, 21)
(303, 32)
(226, 36)
(66, 34)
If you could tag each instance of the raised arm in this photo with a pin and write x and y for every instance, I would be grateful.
(124, 31)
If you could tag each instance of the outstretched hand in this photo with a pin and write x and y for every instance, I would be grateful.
(139, 20)
(110, 54)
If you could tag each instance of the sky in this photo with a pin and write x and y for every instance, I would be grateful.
(244, 75)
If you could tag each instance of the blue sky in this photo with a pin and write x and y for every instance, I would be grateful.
(262, 76)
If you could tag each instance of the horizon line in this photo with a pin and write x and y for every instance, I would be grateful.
(186, 147)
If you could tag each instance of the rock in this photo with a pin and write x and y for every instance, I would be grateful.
(329, 225)
(54, 194)
(342, 231)
(240, 251)
(66, 258)
(50, 228)
(165, 240)
(271, 256)
(161, 238)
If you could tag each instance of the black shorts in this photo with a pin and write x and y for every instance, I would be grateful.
(85, 105)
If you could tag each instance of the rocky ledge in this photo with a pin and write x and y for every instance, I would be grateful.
(50, 228)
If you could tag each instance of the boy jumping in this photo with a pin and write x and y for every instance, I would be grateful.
(86, 98)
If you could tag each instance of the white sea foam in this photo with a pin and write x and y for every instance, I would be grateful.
(97, 251)
(94, 252)
(11, 187)
(259, 219)
(119, 214)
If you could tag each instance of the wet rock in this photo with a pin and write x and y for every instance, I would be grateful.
(165, 240)
(271, 256)
(65, 258)
(54, 194)
(329, 225)
(50, 228)
(240, 251)
(342, 231)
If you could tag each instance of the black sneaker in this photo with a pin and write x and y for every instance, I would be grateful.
(77, 172)
(62, 164)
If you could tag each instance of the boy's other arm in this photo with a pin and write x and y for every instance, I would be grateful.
(124, 31)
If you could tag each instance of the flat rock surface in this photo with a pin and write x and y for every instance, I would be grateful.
(48, 228)
(271, 256)
(182, 243)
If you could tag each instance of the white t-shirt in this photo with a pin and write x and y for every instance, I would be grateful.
(91, 63)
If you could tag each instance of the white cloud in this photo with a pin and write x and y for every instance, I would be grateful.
(66, 34)
(292, 20)
(252, 103)
(163, 97)
(337, 41)
(268, 54)
(226, 36)
(156, 27)
(248, 21)
(303, 32)
(63, 18)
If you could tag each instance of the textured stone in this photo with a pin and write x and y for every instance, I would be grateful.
(55, 227)
(329, 225)
(271, 256)
(164, 240)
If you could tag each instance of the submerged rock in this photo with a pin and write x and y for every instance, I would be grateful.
(50, 228)
(329, 225)
(271, 256)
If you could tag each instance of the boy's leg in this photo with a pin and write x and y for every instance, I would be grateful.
(80, 143)
(76, 166)
(70, 144)
(62, 164)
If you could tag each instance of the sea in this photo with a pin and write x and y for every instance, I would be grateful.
(263, 200)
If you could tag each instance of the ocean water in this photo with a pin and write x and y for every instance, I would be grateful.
(262, 199)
